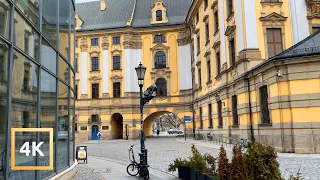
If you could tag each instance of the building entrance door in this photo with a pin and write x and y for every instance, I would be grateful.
(94, 132)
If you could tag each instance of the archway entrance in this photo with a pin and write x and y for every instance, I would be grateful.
(117, 126)
(164, 121)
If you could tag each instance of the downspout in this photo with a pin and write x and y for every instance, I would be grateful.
(250, 111)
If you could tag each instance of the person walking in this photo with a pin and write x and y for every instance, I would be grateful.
(99, 136)
(158, 132)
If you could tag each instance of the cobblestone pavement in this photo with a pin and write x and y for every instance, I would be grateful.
(162, 151)
(84, 172)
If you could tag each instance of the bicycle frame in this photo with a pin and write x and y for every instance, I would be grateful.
(131, 151)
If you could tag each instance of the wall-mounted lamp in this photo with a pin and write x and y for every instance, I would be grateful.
(279, 73)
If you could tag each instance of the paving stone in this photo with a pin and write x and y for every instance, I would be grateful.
(162, 152)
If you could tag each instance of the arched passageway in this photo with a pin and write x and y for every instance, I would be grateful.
(117, 126)
(162, 120)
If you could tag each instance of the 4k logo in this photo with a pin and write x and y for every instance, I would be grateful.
(34, 150)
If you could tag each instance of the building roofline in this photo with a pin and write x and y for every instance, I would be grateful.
(281, 56)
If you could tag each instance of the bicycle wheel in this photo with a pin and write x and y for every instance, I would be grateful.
(132, 169)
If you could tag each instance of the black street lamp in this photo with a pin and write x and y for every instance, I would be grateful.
(141, 70)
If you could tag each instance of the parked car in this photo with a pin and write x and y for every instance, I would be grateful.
(175, 131)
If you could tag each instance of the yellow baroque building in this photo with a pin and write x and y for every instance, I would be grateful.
(240, 68)
(243, 87)
(113, 37)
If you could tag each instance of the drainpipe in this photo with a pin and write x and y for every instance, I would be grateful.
(250, 112)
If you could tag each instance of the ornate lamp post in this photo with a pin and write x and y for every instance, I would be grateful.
(141, 70)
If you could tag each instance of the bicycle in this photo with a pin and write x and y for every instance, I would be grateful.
(134, 168)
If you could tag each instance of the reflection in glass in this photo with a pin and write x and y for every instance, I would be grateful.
(30, 9)
(72, 116)
(4, 19)
(63, 122)
(50, 20)
(71, 79)
(24, 108)
(3, 98)
(63, 70)
(25, 37)
(64, 9)
(48, 114)
(48, 57)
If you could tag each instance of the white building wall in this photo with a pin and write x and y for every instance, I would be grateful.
(250, 23)
(222, 30)
(239, 24)
(132, 58)
(299, 21)
(105, 71)
(185, 67)
(84, 73)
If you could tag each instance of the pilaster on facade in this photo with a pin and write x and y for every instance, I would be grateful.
(105, 43)
(184, 37)
(84, 44)
(132, 41)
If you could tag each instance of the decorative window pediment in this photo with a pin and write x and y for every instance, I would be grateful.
(159, 47)
(159, 12)
(273, 17)
(230, 31)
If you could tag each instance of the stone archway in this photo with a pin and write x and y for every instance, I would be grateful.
(150, 120)
(117, 126)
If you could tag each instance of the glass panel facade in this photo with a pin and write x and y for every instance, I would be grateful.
(24, 109)
(63, 125)
(64, 7)
(25, 36)
(47, 115)
(71, 122)
(30, 10)
(35, 67)
(48, 57)
(50, 20)
(4, 19)
(3, 100)
(63, 70)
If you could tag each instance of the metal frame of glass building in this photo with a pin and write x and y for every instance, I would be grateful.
(37, 83)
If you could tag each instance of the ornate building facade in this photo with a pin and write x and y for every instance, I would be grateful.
(243, 87)
(113, 37)
(240, 68)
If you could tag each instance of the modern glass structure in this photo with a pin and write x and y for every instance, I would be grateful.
(37, 83)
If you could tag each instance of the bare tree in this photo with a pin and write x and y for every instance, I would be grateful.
(171, 120)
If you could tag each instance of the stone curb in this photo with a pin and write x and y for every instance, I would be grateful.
(66, 174)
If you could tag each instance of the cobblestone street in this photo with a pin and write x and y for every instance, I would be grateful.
(162, 151)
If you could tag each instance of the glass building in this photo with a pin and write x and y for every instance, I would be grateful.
(37, 83)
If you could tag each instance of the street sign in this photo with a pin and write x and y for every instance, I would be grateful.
(187, 119)
(81, 153)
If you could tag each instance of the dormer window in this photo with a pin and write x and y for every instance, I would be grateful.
(159, 15)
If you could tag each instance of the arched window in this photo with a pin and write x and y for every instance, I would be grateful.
(160, 60)
(158, 15)
(161, 87)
